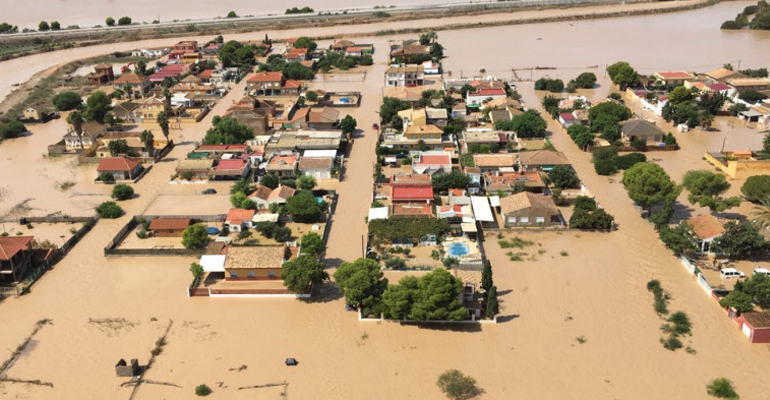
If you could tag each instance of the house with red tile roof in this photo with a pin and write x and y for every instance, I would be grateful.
(266, 83)
(264, 196)
(15, 257)
(431, 162)
(169, 227)
(411, 210)
(295, 55)
(282, 165)
(706, 228)
(230, 169)
(238, 218)
(675, 78)
(121, 168)
(139, 84)
(412, 194)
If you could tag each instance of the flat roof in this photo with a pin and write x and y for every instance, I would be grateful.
(213, 262)
(481, 209)
(378, 213)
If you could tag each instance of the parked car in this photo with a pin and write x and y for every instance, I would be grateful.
(762, 271)
(209, 191)
(731, 273)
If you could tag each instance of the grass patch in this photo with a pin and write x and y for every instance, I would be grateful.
(581, 339)
(516, 256)
(515, 243)
(564, 253)
(661, 297)
(66, 185)
(676, 325)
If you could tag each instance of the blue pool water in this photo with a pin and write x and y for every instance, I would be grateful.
(344, 99)
(320, 200)
(458, 249)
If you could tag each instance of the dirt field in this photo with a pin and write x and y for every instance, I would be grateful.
(597, 290)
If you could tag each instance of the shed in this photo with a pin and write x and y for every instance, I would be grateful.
(756, 325)
(124, 369)
(169, 227)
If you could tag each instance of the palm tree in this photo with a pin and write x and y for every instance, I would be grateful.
(148, 140)
(163, 122)
(128, 90)
(76, 119)
(761, 214)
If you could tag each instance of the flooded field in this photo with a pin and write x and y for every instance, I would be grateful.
(588, 285)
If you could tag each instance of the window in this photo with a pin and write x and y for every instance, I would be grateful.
(233, 274)
(511, 220)
(271, 274)
(524, 220)
(250, 274)
(539, 220)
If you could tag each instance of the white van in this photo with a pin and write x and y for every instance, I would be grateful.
(731, 273)
(762, 271)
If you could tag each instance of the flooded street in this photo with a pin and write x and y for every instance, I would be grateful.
(595, 289)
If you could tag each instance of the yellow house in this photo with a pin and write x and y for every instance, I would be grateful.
(429, 137)
(738, 164)
(255, 262)
(416, 117)
(149, 108)
(32, 114)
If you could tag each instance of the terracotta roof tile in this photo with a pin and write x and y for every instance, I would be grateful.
(9, 246)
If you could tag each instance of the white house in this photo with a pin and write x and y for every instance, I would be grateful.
(431, 67)
(431, 162)
(479, 96)
(317, 167)
(238, 218)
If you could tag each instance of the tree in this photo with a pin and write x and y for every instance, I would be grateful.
(740, 240)
(721, 388)
(194, 236)
(299, 274)
(66, 101)
(362, 283)
(227, 131)
(106, 177)
(232, 14)
(439, 298)
(55, 26)
(295, 70)
(97, 106)
(492, 306)
(110, 21)
(43, 26)
(679, 238)
(306, 182)
(397, 299)
(197, 270)
(311, 96)
(456, 385)
(629, 160)
(738, 300)
(680, 95)
(148, 140)
(486, 276)
(618, 111)
(705, 189)
(604, 160)
(122, 192)
(751, 96)
(163, 123)
(109, 210)
(312, 243)
(305, 43)
(586, 80)
(270, 180)
(529, 124)
(649, 185)
(622, 74)
(756, 188)
(304, 207)
(76, 120)
(564, 177)
(428, 38)
(758, 286)
(124, 21)
(761, 214)
(237, 199)
(118, 147)
(348, 124)
(670, 139)
(585, 203)
(596, 219)
(455, 180)
(390, 107)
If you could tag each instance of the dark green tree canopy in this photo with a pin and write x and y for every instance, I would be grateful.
(530, 124)
(304, 207)
(439, 298)
(195, 236)
(97, 106)
(454, 180)
(227, 131)
(756, 188)
(648, 185)
(705, 189)
(109, 210)
(564, 177)
(740, 240)
(66, 101)
(300, 273)
(362, 282)
(586, 80)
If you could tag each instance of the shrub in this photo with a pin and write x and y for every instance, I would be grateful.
(194, 236)
(627, 161)
(11, 130)
(106, 177)
(124, 21)
(304, 207)
(122, 192)
(397, 263)
(639, 145)
(756, 188)
(605, 167)
(202, 390)
(585, 203)
(66, 101)
(109, 210)
(670, 139)
(671, 343)
(730, 24)
(282, 234)
(186, 175)
(457, 385)
(722, 388)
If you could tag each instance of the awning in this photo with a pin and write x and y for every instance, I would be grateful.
(469, 227)
(494, 201)
(213, 262)
(378, 213)
(481, 209)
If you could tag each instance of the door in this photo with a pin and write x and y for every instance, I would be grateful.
(746, 329)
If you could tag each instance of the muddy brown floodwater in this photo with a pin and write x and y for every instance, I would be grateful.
(596, 290)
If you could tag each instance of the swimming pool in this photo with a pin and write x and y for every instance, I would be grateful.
(458, 249)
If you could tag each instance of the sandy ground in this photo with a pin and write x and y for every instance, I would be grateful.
(597, 291)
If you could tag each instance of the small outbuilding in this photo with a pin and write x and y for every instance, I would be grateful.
(756, 326)
(125, 369)
(169, 227)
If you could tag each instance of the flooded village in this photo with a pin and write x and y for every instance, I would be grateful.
(547, 210)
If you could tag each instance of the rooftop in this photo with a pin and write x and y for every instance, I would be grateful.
(416, 193)
(10, 245)
(706, 226)
(758, 320)
(494, 160)
(244, 257)
(266, 77)
(233, 164)
(675, 75)
(524, 200)
(239, 214)
(169, 223)
(118, 164)
(543, 157)
(306, 163)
